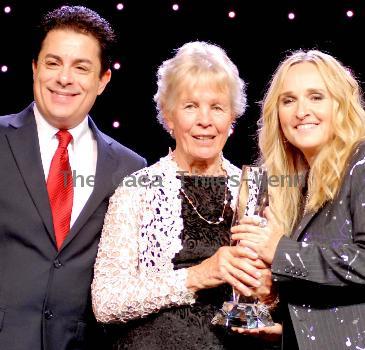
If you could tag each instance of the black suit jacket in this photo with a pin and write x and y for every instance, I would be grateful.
(321, 269)
(45, 293)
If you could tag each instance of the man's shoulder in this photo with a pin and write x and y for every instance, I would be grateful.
(121, 149)
(126, 156)
(6, 119)
(16, 119)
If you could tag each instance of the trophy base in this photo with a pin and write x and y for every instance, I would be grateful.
(243, 315)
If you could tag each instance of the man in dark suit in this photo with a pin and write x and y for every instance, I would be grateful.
(49, 230)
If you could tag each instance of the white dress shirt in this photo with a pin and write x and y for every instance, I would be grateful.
(82, 152)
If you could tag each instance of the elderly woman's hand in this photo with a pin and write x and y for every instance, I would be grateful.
(262, 239)
(235, 265)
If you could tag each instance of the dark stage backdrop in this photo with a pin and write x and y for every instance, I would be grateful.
(256, 39)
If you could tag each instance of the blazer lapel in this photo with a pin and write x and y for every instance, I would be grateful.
(299, 230)
(24, 145)
(106, 166)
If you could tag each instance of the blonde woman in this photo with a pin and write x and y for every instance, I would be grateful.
(313, 127)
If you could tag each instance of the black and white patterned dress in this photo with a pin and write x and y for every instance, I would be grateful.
(188, 326)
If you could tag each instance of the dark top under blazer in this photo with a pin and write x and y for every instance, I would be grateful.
(45, 293)
(321, 269)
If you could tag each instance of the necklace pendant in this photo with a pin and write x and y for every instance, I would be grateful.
(220, 220)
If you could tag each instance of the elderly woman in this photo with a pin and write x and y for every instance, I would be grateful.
(164, 265)
(313, 122)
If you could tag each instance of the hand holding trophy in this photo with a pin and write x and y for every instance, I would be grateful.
(252, 198)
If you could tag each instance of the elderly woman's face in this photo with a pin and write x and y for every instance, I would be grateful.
(201, 120)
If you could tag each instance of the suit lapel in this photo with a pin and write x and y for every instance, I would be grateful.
(24, 145)
(299, 230)
(106, 166)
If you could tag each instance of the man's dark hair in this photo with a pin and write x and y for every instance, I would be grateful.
(81, 20)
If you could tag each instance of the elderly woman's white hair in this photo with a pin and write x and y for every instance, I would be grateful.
(198, 62)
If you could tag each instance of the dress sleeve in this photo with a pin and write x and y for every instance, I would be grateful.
(334, 263)
(125, 285)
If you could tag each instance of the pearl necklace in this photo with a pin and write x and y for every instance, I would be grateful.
(221, 218)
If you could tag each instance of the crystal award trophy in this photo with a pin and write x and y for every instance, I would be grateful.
(252, 198)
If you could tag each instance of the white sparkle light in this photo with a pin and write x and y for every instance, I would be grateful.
(116, 65)
(116, 124)
(231, 14)
(175, 7)
(349, 13)
(291, 15)
(4, 69)
(7, 9)
(120, 6)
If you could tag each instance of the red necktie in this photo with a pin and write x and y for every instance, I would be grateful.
(60, 188)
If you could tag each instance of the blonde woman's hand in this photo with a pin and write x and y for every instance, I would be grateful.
(263, 239)
(266, 292)
(271, 334)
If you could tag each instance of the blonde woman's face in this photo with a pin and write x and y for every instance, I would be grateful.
(305, 109)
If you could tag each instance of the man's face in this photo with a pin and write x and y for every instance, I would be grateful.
(66, 77)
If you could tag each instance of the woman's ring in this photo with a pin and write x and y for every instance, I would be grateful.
(263, 222)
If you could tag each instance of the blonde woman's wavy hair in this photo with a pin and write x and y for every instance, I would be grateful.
(282, 159)
(203, 63)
